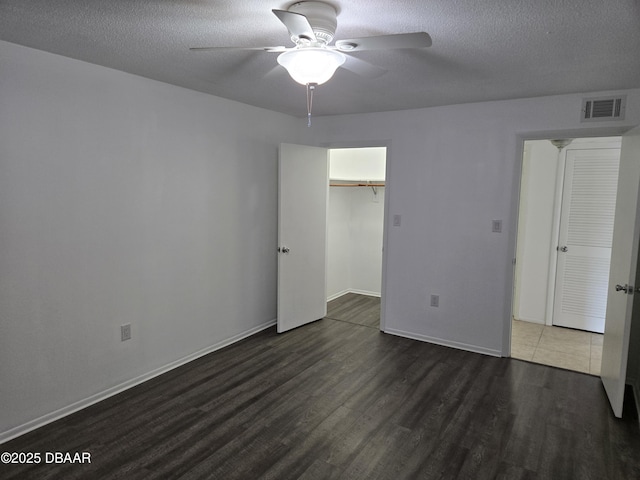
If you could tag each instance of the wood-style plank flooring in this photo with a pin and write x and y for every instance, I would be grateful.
(355, 308)
(339, 400)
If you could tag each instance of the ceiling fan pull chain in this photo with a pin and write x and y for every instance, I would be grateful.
(310, 88)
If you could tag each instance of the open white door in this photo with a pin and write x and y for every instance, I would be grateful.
(624, 257)
(302, 235)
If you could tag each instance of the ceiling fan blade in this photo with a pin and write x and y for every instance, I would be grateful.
(362, 68)
(264, 49)
(296, 23)
(385, 42)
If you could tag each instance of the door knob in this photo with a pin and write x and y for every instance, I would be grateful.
(564, 248)
(626, 288)
(283, 249)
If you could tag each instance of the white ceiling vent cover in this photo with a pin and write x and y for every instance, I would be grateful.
(603, 108)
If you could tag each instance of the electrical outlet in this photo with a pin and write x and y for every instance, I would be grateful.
(496, 226)
(397, 220)
(435, 300)
(125, 332)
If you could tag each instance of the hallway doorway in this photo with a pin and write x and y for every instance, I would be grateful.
(567, 205)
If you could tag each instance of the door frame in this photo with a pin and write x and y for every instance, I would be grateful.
(579, 144)
(385, 226)
(520, 138)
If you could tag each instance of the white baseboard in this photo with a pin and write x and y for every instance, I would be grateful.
(365, 292)
(98, 397)
(359, 292)
(539, 322)
(445, 343)
(337, 295)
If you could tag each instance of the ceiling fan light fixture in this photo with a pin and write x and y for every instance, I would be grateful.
(311, 65)
(347, 46)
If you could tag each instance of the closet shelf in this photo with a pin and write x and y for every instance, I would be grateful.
(376, 184)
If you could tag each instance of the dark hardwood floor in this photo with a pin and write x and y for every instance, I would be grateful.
(354, 308)
(335, 399)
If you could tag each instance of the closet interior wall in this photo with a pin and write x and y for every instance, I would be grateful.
(355, 228)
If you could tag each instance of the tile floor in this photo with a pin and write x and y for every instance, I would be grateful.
(556, 346)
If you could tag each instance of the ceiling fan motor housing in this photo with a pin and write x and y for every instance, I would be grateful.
(321, 16)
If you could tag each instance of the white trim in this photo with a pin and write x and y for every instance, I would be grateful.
(356, 291)
(385, 236)
(555, 237)
(98, 397)
(365, 292)
(445, 343)
(338, 295)
(538, 322)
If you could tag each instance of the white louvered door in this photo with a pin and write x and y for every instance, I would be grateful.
(586, 230)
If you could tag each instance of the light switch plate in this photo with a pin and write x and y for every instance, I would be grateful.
(125, 332)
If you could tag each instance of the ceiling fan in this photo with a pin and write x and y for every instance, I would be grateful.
(313, 61)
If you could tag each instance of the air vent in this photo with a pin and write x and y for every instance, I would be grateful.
(603, 108)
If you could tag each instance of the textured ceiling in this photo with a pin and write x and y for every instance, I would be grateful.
(482, 49)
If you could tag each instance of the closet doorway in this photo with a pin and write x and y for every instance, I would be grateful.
(565, 226)
(355, 224)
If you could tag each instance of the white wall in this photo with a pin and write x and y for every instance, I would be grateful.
(367, 163)
(534, 244)
(338, 242)
(124, 200)
(367, 222)
(451, 171)
(355, 223)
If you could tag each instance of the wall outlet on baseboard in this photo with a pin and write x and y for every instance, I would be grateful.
(435, 301)
(125, 332)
